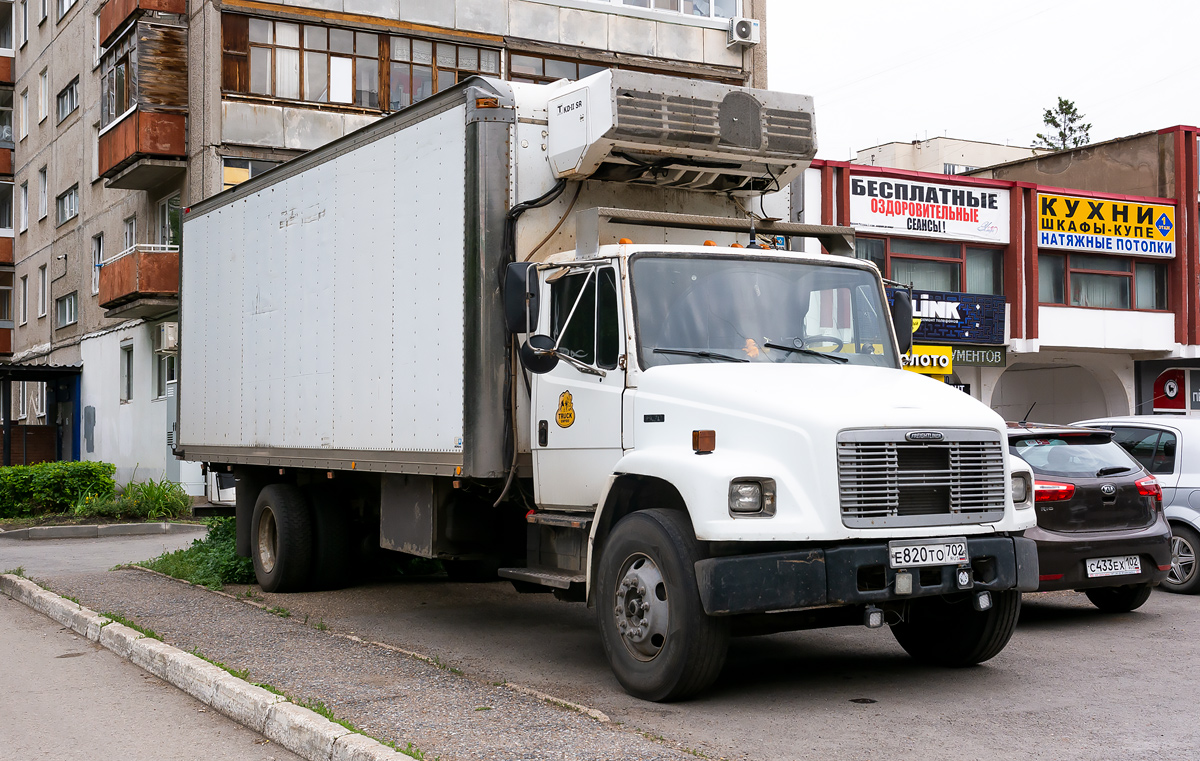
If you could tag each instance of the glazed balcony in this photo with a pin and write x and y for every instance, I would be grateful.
(115, 13)
(141, 281)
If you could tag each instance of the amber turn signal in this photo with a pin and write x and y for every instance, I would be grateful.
(624, 241)
(704, 442)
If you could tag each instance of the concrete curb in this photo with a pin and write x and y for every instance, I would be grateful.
(300, 730)
(100, 531)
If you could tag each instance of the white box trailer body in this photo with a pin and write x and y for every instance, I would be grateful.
(351, 323)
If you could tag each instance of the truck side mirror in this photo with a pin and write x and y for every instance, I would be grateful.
(902, 319)
(538, 363)
(521, 297)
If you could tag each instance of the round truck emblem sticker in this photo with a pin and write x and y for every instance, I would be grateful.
(1108, 490)
(1171, 389)
(565, 415)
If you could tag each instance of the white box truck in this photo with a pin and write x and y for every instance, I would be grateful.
(520, 324)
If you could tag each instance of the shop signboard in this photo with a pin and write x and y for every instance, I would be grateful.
(1102, 226)
(929, 360)
(928, 209)
(980, 356)
(957, 318)
(1171, 392)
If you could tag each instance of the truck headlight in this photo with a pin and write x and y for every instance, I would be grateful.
(1020, 489)
(752, 496)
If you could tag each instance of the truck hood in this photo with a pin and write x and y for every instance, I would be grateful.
(820, 397)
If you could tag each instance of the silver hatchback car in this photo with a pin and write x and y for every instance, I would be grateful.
(1168, 446)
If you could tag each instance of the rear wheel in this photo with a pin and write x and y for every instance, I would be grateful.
(331, 543)
(1184, 576)
(1120, 599)
(659, 641)
(282, 539)
(944, 632)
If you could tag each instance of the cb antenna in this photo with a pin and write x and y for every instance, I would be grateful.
(1025, 419)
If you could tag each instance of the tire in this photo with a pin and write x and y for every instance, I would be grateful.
(282, 539)
(944, 633)
(1120, 599)
(1184, 576)
(331, 544)
(677, 649)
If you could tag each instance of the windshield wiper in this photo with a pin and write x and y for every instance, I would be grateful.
(1113, 470)
(806, 352)
(700, 353)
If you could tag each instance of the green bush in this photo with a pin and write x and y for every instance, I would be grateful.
(212, 561)
(141, 500)
(52, 487)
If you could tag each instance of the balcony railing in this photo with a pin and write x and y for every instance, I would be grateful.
(115, 13)
(141, 281)
(143, 135)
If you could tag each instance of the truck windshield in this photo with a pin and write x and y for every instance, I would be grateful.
(709, 309)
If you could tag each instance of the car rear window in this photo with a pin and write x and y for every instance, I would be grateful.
(1073, 456)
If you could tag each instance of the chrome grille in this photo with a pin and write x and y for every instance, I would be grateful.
(884, 479)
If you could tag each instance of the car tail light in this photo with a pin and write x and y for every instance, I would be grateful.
(1051, 491)
(1148, 487)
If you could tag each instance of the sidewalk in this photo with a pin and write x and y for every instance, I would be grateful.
(64, 697)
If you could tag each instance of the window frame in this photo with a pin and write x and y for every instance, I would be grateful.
(97, 260)
(10, 194)
(43, 95)
(13, 40)
(68, 304)
(43, 291)
(68, 202)
(164, 360)
(126, 370)
(24, 211)
(129, 231)
(63, 7)
(70, 95)
(961, 261)
(43, 192)
(23, 117)
(22, 400)
(24, 294)
(1130, 275)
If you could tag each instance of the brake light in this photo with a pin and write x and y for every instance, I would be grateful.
(1148, 487)
(1050, 491)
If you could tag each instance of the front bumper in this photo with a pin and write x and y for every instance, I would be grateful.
(1061, 556)
(853, 574)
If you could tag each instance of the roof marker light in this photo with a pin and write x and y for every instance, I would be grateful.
(625, 241)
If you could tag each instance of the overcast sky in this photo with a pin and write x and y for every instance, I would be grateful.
(984, 70)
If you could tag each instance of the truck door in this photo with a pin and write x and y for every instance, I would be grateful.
(577, 409)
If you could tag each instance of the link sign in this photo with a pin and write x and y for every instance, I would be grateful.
(1121, 228)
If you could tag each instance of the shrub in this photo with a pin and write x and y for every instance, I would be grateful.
(51, 487)
(212, 561)
(141, 500)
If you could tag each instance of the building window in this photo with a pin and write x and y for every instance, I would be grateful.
(43, 95)
(937, 265)
(1105, 282)
(43, 10)
(66, 309)
(67, 205)
(39, 399)
(323, 64)
(43, 191)
(127, 373)
(97, 260)
(63, 7)
(22, 400)
(703, 8)
(165, 373)
(24, 299)
(116, 91)
(537, 69)
(6, 114)
(957, 168)
(6, 209)
(24, 114)
(6, 29)
(170, 221)
(6, 296)
(130, 232)
(237, 171)
(43, 291)
(24, 10)
(68, 99)
(24, 206)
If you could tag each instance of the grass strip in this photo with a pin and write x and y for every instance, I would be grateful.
(210, 562)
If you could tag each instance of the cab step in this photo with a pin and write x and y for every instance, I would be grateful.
(557, 578)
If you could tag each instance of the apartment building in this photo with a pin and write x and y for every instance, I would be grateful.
(128, 111)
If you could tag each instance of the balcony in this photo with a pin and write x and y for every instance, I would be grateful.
(141, 281)
(115, 13)
(6, 69)
(143, 149)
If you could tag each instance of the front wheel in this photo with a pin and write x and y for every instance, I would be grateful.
(1119, 599)
(659, 641)
(1184, 576)
(943, 632)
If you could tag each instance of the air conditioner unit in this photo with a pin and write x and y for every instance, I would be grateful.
(167, 338)
(743, 31)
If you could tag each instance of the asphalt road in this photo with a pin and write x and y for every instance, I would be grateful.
(48, 557)
(64, 698)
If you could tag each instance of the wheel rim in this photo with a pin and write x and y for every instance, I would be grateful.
(268, 540)
(642, 608)
(1183, 561)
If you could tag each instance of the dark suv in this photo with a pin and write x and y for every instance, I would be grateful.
(1100, 523)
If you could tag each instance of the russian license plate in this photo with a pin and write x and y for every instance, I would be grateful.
(1125, 565)
(912, 554)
